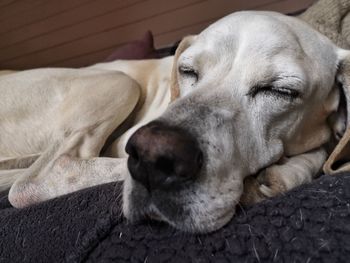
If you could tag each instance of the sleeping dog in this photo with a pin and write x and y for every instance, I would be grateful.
(258, 101)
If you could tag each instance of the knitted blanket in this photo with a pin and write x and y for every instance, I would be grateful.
(308, 224)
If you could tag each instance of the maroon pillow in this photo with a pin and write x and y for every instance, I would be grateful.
(138, 49)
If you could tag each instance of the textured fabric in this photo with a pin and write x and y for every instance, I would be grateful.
(308, 224)
(331, 18)
(55, 230)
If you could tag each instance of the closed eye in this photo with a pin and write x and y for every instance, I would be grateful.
(189, 72)
(280, 92)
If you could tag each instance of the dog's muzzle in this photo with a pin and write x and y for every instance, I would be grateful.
(162, 157)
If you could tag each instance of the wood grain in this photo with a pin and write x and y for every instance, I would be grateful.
(75, 33)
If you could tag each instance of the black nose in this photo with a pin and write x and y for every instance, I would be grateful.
(163, 157)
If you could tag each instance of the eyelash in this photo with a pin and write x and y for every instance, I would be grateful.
(187, 71)
(285, 93)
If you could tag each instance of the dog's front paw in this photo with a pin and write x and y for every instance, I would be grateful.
(265, 185)
(23, 195)
(270, 183)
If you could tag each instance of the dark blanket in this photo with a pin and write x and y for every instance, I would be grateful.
(309, 224)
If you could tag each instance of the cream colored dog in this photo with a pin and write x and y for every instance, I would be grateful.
(262, 98)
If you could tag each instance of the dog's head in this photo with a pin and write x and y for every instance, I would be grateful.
(253, 87)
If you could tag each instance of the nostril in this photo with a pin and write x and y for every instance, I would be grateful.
(200, 160)
(133, 153)
(165, 165)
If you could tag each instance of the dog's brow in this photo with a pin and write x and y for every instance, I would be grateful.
(289, 77)
(283, 79)
(187, 59)
(289, 80)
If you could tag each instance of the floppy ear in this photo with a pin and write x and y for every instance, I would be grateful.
(339, 160)
(184, 44)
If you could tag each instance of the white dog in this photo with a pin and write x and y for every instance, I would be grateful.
(262, 98)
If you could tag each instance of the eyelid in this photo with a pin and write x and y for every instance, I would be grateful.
(185, 68)
(188, 70)
(282, 91)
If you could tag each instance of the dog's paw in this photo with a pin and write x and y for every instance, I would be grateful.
(265, 185)
(23, 195)
(251, 191)
(270, 183)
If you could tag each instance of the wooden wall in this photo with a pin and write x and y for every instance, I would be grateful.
(74, 33)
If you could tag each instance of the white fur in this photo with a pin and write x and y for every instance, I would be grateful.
(64, 116)
(242, 134)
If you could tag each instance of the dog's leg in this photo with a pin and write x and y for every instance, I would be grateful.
(84, 124)
(12, 168)
(72, 160)
(279, 178)
(66, 175)
(61, 169)
(19, 162)
(8, 177)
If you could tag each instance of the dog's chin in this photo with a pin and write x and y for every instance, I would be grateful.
(139, 205)
(188, 224)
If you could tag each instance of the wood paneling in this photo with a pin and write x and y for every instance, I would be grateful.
(74, 33)
(12, 25)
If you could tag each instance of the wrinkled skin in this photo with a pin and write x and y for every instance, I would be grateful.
(254, 88)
